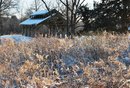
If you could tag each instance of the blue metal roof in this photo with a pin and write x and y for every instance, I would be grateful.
(41, 12)
(31, 21)
(34, 21)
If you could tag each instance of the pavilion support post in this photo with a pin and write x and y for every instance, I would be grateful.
(50, 31)
(62, 31)
(27, 31)
(30, 32)
(22, 30)
(53, 30)
(23, 33)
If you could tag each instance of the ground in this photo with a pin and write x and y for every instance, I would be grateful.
(85, 61)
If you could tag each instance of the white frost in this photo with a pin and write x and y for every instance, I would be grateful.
(16, 38)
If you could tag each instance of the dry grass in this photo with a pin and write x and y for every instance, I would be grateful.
(34, 64)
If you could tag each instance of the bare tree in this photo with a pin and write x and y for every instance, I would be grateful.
(67, 15)
(72, 15)
(47, 6)
(71, 7)
(28, 12)
(5, 6)
(36, 5)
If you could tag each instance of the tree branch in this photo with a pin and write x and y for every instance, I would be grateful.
(65, 4)
(81, 3)
(46, 5)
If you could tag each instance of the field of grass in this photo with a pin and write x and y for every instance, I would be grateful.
(82, 62)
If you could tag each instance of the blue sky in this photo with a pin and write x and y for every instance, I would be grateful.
(24, 4)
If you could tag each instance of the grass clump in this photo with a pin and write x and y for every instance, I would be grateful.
(86, 61)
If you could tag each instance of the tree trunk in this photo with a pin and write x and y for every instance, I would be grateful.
(67, 14)
(124, 15)
(0, 17)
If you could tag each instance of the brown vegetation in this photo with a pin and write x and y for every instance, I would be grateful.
(35, 64)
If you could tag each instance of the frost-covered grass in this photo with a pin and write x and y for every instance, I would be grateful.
(17, 38)
(87, 61)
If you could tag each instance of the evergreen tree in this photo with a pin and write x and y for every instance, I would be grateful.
(110, 15)
(85, 13)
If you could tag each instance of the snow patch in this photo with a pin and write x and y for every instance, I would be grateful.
(15, 38)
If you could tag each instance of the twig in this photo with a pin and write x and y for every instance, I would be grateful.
(124, 83)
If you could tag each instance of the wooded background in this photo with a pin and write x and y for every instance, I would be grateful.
(109, 15)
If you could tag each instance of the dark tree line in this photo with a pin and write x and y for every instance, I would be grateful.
(109, 15)
(8, 25)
